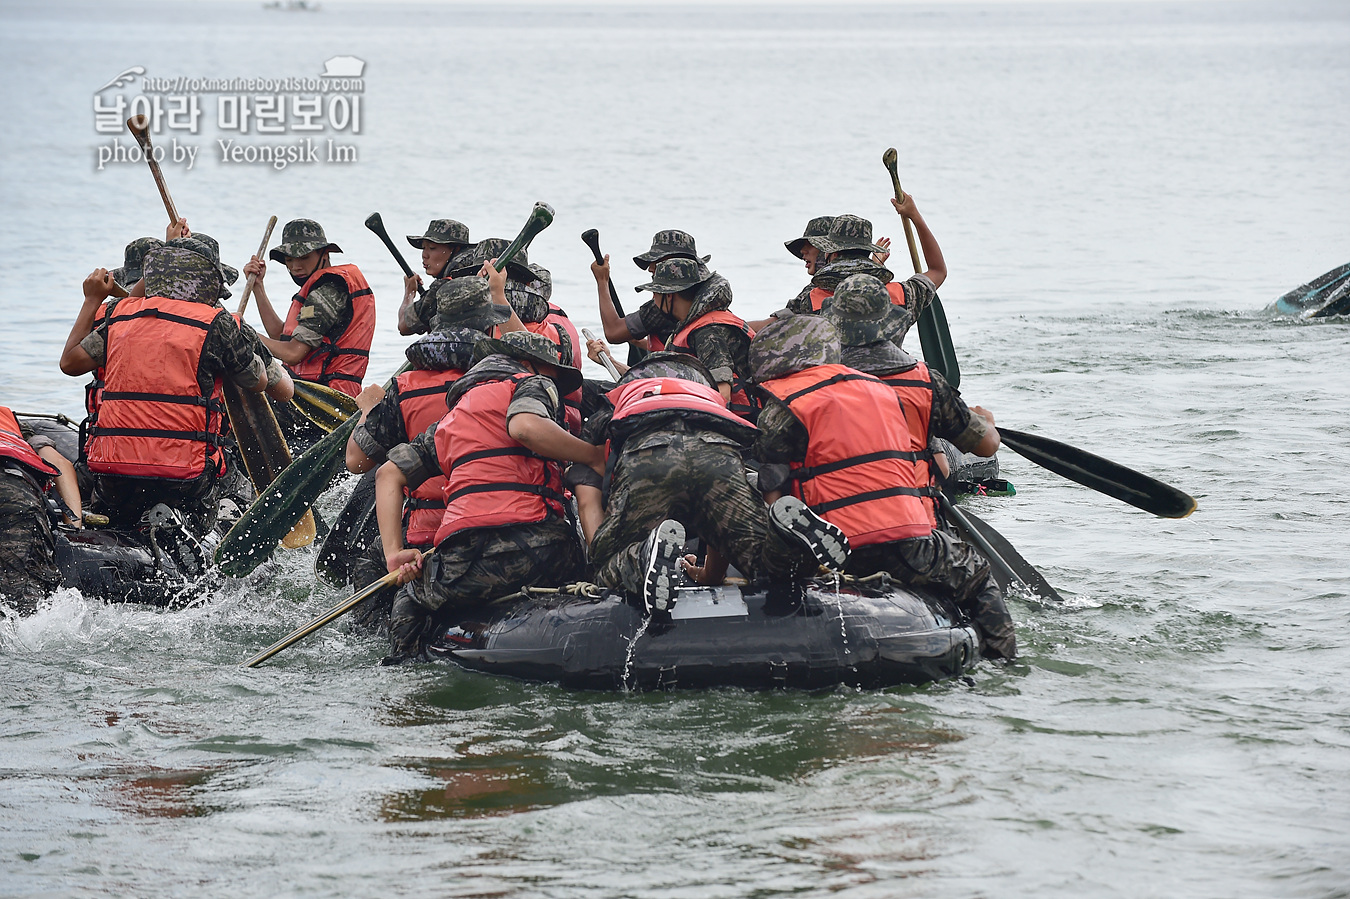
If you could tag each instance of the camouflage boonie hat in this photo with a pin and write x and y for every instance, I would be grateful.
(666, 244)
(790, 344)
(133, 260)
(530, 347)
(446, 231)
(470, 262)
(465, 303)
(542, 283)
(862, 311)
(300, 238)
(848, 232)
(817, 227)
(183, 270)
(676, 275)
(669, 364)
(228, 272)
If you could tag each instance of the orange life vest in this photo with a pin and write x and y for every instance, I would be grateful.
(154, 421)
(649, 396)
(16, 449)
(558, 329)
(895, 288)
(556, 316)
(915, 388)
(492, 480)
(421, 402)
(740, 402)
(341, 363)
(859, 471)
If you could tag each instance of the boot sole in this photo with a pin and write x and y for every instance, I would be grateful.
(828, 543)
(663, 566)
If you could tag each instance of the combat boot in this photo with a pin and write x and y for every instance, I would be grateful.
(827, 543)
(661, 566)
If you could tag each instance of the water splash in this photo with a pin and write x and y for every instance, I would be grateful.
(632, 648)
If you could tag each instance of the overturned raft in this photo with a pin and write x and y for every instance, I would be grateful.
(866, 635)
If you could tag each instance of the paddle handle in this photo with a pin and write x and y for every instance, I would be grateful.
(376, 224)
(117, 291)
(541, 216)
(890, 159)
(248, 285)
(139, 126)
(592, 240)
(605, 358)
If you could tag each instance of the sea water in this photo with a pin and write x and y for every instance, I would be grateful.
(1119, 190)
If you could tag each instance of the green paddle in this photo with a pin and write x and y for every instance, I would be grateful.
(1102, 475)
(254, 536)
(934, 336)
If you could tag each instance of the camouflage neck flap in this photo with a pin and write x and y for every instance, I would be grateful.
(712, 295)
(527, 300)
(882, 358)
(181, 274)
(827, 277)
(451, 349)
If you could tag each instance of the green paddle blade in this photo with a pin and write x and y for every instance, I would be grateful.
(541, 216)
(326, 407)
(1102, 475)
(936, 341)
(255, 536)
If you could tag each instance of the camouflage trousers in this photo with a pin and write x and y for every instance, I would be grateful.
(474, 567)
(956, 569)
(27, 549)
(702, 485)
(124, 500)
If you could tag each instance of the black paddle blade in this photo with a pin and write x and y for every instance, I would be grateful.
(936, 341)
(1020, 566)
(1102, 475)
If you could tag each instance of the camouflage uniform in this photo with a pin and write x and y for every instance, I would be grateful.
(648, 320)
(27, 549)
(471, 568)
(677, 467)
(722, 348)
(327, 311)
(183, 272)
(937, 560)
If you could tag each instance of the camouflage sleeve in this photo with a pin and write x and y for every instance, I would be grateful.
(326, 313)
(782, 437)
(801, 303)
(424, 310)
(919, 294)
(95, 344)
(383, 428)
(417, 458)
(537, 396)
(951, 419)
(596, 429)
(717, 347)
(227, 353)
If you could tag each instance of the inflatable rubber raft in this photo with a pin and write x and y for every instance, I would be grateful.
(1324, 296)
(870, 634)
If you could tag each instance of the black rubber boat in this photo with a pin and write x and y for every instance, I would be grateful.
(870, 634)
(156, 564)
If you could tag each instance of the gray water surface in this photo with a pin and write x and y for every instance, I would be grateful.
(1120, 191)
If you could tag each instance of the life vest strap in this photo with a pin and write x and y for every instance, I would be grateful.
(836, 379)
(491, 453)
(536, 489)
(199, 436)
(411, 504)
(830, 506)
(423, 391)
(815, 471)
(152, 312)
(177, 398)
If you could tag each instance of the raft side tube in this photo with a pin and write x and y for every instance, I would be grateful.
(785, 638)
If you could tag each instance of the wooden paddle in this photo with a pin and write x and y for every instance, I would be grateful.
(139, 126)
(934, 336)
(1102, 475)
(592, 239)
(251, 541)
(325, 407)
(331, 615)
(261, 444)
(376, 224)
